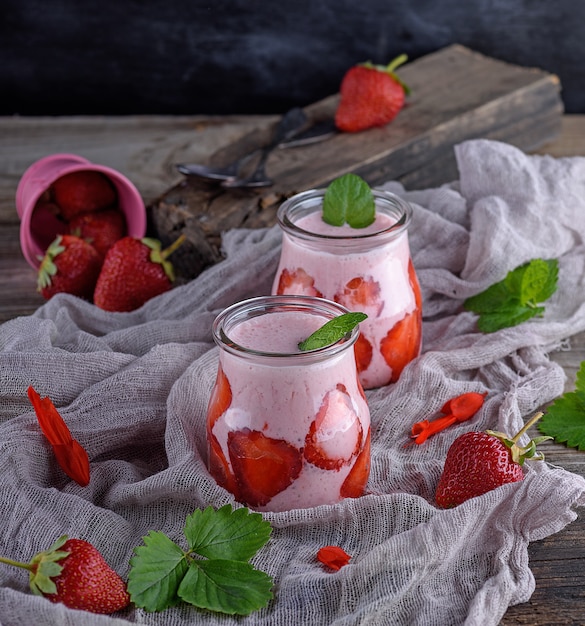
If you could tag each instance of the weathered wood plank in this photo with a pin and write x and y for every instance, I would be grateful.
(457, 95)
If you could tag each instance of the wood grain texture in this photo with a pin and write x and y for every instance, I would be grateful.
(145, 149)
(458, 94)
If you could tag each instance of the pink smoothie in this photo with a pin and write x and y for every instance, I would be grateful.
(363, 272)
(295, 425)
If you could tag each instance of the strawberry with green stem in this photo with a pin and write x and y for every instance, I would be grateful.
(371, 95)
(134, 271)
(478, 462)
(73, 572)
(70, 265)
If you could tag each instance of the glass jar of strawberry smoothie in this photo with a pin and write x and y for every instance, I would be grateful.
(286, 429)
(364, 269)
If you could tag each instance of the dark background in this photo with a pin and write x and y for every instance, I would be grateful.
(63, 57)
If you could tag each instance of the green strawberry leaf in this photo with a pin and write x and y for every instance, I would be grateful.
(157, 570)
(226, 534)
(162, 574)
(232, 587)
(349, 199)
(332, 331)
(515, 299)
(564, 420)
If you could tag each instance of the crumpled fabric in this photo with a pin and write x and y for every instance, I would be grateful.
(133, 388)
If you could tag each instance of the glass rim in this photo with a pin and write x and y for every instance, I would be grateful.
(385, 200)
(260, 305)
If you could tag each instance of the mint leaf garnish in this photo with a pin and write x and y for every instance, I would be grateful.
(564, 420)
(516, 298)
(332, 331)
(349, 199)
(213, 573)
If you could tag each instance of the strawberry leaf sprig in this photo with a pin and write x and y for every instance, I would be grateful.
(517, 297)
(564, 419)
(214, 572)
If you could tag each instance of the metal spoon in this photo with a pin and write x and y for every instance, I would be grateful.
(214, 173)
(290, 123)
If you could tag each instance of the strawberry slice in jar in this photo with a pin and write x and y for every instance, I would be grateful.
(335, 435)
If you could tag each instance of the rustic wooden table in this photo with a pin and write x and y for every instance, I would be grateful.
(145, 149)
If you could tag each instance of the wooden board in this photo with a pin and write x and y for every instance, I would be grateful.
(457, 94)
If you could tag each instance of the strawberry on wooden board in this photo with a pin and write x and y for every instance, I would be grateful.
(82, 191)
(73, 572)
(371, 95)
(478, 462)
(134, 271)
(99, 228)
(70, 265)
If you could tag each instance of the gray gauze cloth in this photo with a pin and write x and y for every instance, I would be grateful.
(134, 388)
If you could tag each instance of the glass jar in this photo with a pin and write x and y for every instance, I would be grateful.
(364, 269)
(286, 429)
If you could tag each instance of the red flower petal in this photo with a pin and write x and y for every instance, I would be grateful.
(333, 557)
(70, 455)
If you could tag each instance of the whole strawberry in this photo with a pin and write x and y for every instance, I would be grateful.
(134, 271)
(371, 95)
(70, 265)
(478, 462)
(82, 191)
(74, 573)
(99, 228)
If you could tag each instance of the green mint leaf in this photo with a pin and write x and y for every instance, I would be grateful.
(156, 572)
(332, 331)
(506, 318)
(225, 534)
(349, 199)
(564, 420)
(232, 587)
(515, 299)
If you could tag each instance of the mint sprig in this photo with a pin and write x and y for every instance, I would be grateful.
(349, 199)
(332, 331)
(564, 419)
(517, 297)
(213, 573)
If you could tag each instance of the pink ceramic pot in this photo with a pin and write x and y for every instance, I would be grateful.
(39, 226)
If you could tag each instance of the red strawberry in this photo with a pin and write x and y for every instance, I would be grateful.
(361, 294)
(74, 573)
(134, 271)
(478, 462)
(85, 190)
(297, 282)
(263, 466)
(99, 228)
(70, 265)
(371, 95)
(357, 479)
(335, 435)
